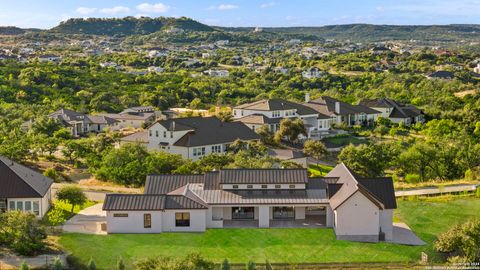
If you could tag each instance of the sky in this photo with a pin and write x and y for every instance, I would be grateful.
(264, 13)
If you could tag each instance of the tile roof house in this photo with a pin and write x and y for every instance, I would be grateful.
(195, 137)
(395, 111)
(357, 209)
(23, 189)
(271, 111)
(342, 112)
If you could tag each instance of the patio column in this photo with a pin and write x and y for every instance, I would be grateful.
(329, 216)
(263, 216)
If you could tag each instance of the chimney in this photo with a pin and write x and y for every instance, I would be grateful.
(337, 107)
(307, 97)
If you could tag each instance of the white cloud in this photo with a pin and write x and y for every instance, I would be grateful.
(86, 10)
(223, 7)
(153, 8)
(115, 10)
(267, 5)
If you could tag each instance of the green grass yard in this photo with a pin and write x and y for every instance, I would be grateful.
(319, 170)
(427, 219)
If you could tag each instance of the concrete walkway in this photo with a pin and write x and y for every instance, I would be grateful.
(402, 234)
(88, 221)
(435, 190)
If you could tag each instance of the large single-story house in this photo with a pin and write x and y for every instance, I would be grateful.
(271, 111)
(395, 111)
(358, 209)
(134, 117)
(195, 137)
(342, 112)
(23, 189)
(80, 123)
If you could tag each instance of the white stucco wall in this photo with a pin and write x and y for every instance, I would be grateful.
(134, 222)
(264, 216)
(357, 216)
(197, 221)
(386, 224)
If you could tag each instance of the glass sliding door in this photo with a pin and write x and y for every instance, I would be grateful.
(243, 212)
(284, 212)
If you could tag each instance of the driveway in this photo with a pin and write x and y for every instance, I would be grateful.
(88, 221)
(402, 234)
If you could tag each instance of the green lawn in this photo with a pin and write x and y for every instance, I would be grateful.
(277, 245)
(342, 140)
(319, 170)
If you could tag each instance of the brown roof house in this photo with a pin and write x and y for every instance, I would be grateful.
(395, 111)
(357, 209)
(195, 137)
(23, 189)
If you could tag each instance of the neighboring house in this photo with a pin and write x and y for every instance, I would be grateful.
(396, 111)
(49, 58)
(80, 123)
(342, 112)
(442, 74)
(195, 137)
(217, 73)
(23, 189)
(271, 111)
(357, 209)
(140, 137)
(135, 117)
(154, 69)
(477, 69)
(289, 155)
(312, 73)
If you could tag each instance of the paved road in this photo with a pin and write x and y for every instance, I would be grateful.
(435, 190)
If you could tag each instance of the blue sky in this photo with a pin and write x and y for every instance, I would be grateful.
(48, 13)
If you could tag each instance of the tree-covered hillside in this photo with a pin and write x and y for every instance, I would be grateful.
(127, 26)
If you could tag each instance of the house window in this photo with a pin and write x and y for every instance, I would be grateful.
(147, 220)
(171, 134)
(28, 206)
(291, 186)
(199, 151)
(235, 186)
(249, 186)
(19, 206)
(156, 133)
(12, 205)
(276, 114)
(120, 215)
(164, 134)
(150, 133)
(264, 186)
(216, 148)
(36, 208)
(278, 186)
(182, 219)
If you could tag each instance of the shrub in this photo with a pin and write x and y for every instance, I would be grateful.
(120, 264)
(461, 242)
(52, 173)
(250, 265)
(24, 266)
(21, 232)
(91, 265)
(477, 192)
(225, 265)
(190, 262)
(55, 217)
(57, 264)
(412, 178)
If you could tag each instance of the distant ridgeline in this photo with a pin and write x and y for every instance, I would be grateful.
(11, 30)
(127, 26)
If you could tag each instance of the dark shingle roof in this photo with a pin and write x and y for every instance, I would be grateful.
(399, 110)
(19, 181)
(442, 74)
(382, 189)
(258, 119)
(326, 105)
(277, 105)
(166, 183)
(208, 131)
(263, 176)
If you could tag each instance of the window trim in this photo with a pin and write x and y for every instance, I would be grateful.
(147, 221)
(235, 186)
(249, 186)
(278, 186)
(182, 219)
(264, 186)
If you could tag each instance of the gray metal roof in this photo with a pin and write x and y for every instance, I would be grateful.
(19, 181)
(182, 202)
(263, 176)
(143, 202)
(166, 183)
